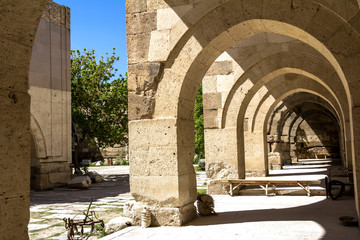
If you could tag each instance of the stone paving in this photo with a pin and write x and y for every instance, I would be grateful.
(48, 208)
(239, 217)
(260, 217)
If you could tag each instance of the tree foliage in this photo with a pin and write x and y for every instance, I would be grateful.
(99, 101)
(199, 124)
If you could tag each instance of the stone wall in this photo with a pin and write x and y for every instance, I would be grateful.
(50, 91)
(19, 22)
(252, 57)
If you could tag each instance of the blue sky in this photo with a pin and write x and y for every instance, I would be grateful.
(99, 25)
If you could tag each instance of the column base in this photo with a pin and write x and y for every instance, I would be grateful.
(161, 216)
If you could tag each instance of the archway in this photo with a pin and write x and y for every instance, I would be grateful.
(169, 110)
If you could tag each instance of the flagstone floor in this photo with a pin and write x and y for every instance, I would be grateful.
(48, 208)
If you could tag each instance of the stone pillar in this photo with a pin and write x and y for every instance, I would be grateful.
(221, 154)
(19, 21)
(50, 91)
(162, 176)
(355, 156)
(255, 165)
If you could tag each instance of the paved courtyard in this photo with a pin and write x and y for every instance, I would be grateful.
(239, 217)
(260, 217)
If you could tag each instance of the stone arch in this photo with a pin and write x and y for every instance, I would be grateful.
(252, 154)
(302, 118)
(38, 137)
(285, 95)
(285, 108)
(281, 140)
(20, 21)
(187, 63)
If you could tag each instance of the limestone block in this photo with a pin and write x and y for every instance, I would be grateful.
(40, 181)
(21, 29)
(324, 24)
(185, 136)
(204, 35)
(154, 161)
(140, 106)
(212, 100)
(221, 170)
(157, 132)
(13, 209)
(167, 95)
(13, 73)
(59, 178)
(168, 17)
(162, 190)
(135, 6)
(210, 119)
(159, 45)
(295, 15)
(217, 188)
(221, 153)
(224, 83)
(140, 22)
(231, 15)
(15, 152)
(355, 21)
(118, 223)
(220, 68)
(161, 216)
(138, 47)
(275, 9)
(144, 77)
(209, 84)
(346, 9)
(80, 182)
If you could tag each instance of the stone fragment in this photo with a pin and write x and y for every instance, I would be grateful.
(80, 182)
(205, 204)
(201, 163)
(117, 224)
(95, 177)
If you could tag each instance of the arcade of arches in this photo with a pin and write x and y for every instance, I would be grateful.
(280, 82)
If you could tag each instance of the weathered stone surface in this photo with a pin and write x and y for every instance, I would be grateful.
(142, 106)
(220, 170)
(95, 177)
(118, 223)
(217, 188)
(144, 77)
(80, 182)
(49, 88)
(161, 216)
(220, 68)
(205, 205)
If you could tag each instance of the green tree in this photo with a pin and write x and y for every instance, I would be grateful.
(99, 101)
(199, 124)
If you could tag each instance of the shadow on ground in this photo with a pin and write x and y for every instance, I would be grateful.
(111, 187)
(326, 213)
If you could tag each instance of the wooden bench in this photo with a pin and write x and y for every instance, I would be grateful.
(264, 184)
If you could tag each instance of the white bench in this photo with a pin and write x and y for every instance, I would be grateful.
(264, 184)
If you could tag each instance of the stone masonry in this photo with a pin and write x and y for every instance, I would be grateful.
(280, 82)
(50, 92)
(171, 47)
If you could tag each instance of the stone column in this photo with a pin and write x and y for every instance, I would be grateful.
(355, 156)
(162, 176)
(19, 21)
